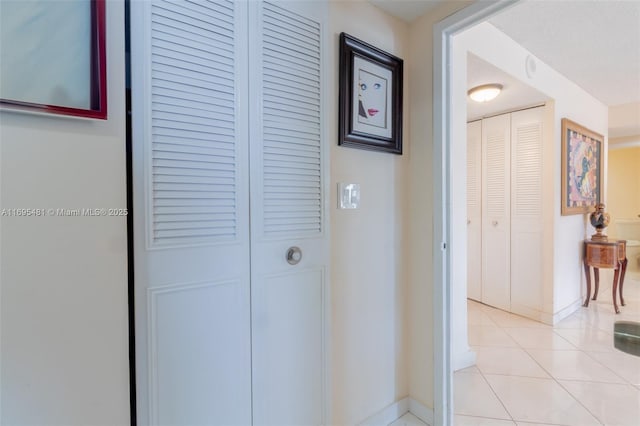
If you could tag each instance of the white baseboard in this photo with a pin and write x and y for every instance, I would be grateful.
(464, 360)
(398, 409)
(421, 411)
(389, 414)
(555, 318)
(527, 312)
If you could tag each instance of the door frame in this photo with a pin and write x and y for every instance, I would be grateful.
(443, 123)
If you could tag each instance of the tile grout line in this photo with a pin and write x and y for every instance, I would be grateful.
(557, 381)
(497, 397)
(587, 321)
(519, 346)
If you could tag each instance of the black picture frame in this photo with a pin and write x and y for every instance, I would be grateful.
(357, 128)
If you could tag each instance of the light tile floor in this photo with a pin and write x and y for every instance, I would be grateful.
(529, 373)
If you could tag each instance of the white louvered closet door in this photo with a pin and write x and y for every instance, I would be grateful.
(527, 243)
(191, 206)
(213, 347)
(288, 188)
(474, 210)
(496, 161)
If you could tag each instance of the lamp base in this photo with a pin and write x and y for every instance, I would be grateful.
(599, 236)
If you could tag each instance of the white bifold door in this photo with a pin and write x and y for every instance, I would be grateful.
(505, 211)
(229, 212)
(496, 211)
(474, 210)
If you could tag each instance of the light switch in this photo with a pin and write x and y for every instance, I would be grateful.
(348, 195)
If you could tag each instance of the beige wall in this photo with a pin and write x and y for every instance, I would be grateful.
(368, 245)
(421, 202)
(623, 201)
(64, 279)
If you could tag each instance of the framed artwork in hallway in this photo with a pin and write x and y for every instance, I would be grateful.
(370, 99)
(582, 168)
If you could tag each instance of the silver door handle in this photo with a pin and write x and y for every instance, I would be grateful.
(294, 255)
(494, 223)
(468, 221)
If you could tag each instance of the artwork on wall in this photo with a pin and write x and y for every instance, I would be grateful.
(370, 100)
(582, 168)
(54, 57)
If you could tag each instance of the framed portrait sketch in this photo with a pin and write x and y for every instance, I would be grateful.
(370, 99)
(54, 57)
(582, 168)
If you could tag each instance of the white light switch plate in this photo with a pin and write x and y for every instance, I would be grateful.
(348, 195)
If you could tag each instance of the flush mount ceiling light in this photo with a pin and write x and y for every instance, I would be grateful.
(485, 93)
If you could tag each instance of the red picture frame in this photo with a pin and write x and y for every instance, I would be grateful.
(98, 75)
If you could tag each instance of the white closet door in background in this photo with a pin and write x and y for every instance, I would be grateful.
(474, 210)
(288, 212)
(526, 211)
(191, 205)
(496, 160)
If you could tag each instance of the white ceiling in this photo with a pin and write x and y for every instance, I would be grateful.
(515, 94)
(407, 10)
(594, 43)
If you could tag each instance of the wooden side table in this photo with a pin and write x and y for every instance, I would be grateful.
(605, 254)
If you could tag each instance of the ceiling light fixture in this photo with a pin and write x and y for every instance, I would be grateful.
(485, 93)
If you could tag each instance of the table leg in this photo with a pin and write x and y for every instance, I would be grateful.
(623, 271)
(596, 274)
(587, 273)
(616, 276)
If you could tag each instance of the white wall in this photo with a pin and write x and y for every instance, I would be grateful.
(421, 377)
(569, 101)
(64, 279)
(368, 245)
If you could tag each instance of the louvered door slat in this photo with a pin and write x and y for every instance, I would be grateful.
(161, 59)
(304, 86)
(186, 203)
(496, 225)
(528, 163)
(291, 95)
(193, 118)
(183, 12)
(191, 49)
(192, 86)
(223, 10)
(474, 163)
(527, 213)
(166, 29)
(178, 110)
(175, 174)
(293, 147)
(194, 79)
(496, 175)
(196, 117)
(284, 62)
(474, 210)
(181, 146)
(292, 107)
(291, 154)
(274, 26)
(291, 20)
